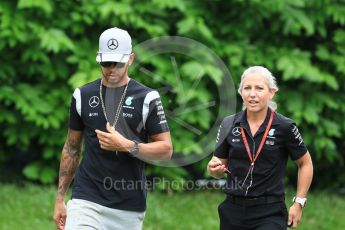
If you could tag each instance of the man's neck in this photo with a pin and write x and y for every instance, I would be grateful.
(124, 80)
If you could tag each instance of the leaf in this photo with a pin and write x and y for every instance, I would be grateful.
(332, 129)
(311, 115)
(193, 70)
(297, 21)
(44, 5)
(171, 4)
(194, 25)
(32, 171)
(298, 66)
(47, 175)
(322, 53)
(215, 74)
(55, 40)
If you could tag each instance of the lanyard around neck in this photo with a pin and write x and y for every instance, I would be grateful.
(262, 141)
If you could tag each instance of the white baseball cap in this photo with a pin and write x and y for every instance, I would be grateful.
(115, 45)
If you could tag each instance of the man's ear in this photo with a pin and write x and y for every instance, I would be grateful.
(131, 58)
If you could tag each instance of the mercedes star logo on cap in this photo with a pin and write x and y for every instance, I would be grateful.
(236, 131)
(94, 101)
(112, 44)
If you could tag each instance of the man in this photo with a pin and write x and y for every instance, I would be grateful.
(116, 116)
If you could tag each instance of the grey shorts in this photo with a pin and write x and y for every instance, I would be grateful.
(86, 215)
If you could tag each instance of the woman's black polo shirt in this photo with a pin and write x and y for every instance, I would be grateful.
(283, 140)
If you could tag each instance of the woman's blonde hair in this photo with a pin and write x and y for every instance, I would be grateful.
(271, 80)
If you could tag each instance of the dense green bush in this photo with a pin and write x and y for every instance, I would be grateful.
(48, 48)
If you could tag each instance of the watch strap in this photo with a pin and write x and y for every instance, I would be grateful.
(300, 200)
(135, 149)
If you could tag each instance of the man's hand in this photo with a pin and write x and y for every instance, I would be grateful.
(113, 140)
(295, 215)
(216, 168)
(60, 214)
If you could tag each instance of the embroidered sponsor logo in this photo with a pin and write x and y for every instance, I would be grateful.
(236, 140)
(236, 131)
(93, 114)
(160, 112)
(128, 107)
(268, 142)
(94, 101)
(218, 134)
(271, 133)
(159, 105)
(297, 134)
(129, 115)
(112, 44)
(129, 100)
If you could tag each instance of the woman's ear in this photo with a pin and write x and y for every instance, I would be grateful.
(273, 92)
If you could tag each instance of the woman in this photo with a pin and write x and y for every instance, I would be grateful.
(253, 147)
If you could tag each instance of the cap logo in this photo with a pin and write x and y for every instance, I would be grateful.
(112, 44)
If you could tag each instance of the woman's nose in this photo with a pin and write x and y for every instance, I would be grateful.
(252, 93)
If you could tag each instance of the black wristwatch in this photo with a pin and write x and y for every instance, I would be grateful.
(135, 149)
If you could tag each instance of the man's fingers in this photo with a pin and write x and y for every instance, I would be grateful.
(290, 220)
(57, 219)
(104, 141)
(63, 220)
(103, 138)
(101, 142)
(295, 223)
(101, 133)
(103, 145)
(61, 224)
(110, 128)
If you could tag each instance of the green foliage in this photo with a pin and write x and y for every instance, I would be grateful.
(48, 48)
